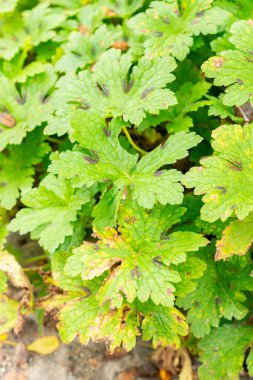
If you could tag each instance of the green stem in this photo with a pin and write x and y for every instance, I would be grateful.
(136, 147)
(34, 259)
(53, 140)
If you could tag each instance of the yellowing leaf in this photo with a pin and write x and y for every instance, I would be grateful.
(236, 238)
(45, 345)
(3, 337)
(8, 314)
(11, 267)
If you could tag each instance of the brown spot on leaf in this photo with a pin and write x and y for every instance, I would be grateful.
(178, 318)
(121, 45)
(250, 22)
(218, 62)
(7, 120)
(109, 12)
(83, 29)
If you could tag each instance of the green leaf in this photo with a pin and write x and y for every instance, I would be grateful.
(236, 238)
(143, 264)
(50, 213)
(18, 70)
(17, 168)
(169, 27)
(32, 27)
(230, 343)
(176, 118)
(82, 49)
(3, 227)
(3, 282)
(24, 109)
(41, 21)
(111, 91)
(162, 325)
(233, 68)
(108, 162)
(121, 8)
(226, 177)
(217, 108)
(218, 294)
(70, 284)
(77, 317)
(12, 37)
(8, 6)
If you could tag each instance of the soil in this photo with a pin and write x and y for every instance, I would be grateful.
(74, 361)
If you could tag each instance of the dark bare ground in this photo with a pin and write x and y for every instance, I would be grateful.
(74, 361)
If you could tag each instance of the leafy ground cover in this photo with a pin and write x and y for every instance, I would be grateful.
(126, 152)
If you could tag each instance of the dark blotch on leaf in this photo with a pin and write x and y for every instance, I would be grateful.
(163, 235)
(235, 165)
(146, 92)
(158, 173)
(84, 106)
(163, 146)
(156, 260)
(166, 20)
(127, 86)
(44, 99)
(103, 89)
(200, 14)
(239, 81)
(178, 318)
(218, 300)
(107, 133)
(135, 273)
(3, 184)
(158, 34)
(222, 189)
(90, 160)
(21, 100)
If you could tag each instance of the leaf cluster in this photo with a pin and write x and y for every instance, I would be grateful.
(126, 152)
